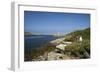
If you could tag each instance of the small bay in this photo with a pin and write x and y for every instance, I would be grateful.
(35, 41)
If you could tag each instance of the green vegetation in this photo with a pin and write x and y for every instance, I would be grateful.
(77, 48)
(76, 34)
(86, 45)
(39, 52)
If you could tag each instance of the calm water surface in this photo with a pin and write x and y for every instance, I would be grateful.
(36, 41)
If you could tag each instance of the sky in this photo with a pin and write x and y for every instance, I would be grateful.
(54, 22)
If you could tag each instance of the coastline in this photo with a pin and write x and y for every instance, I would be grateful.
(58, 40)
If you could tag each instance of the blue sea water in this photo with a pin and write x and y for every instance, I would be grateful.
(36, 41)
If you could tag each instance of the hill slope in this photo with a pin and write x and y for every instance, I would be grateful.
(85, 34)
(80, 49)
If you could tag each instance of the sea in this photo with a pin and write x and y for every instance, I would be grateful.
(35, 41)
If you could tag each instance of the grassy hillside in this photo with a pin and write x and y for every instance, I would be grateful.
(77, 48)
(85, 34)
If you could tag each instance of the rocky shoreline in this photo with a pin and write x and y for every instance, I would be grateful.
(75, 45)
(56, 54)
(59, 40)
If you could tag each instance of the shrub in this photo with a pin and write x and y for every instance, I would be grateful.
(78, 49)
(86, 45)
(68, 38)
(40, 51)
